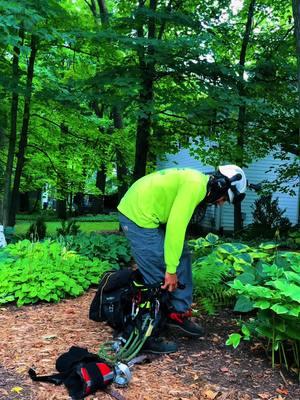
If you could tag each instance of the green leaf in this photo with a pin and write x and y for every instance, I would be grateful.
(234, 340)
(212, 239)
(226, 248)
(246, 332)
(268, 246)
(243, 258)
(262, 304)
(292, 277)
(243, 304)
(279, 309)
(246, 277)
(287, 289)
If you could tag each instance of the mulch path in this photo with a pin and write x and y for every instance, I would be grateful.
(34, 336)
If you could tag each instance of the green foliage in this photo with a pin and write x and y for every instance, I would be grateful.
(112, 248)
(274, 291)
(68, 228)
(45, 271)
(268, 218)
(37, 230)
(216, 263)
(209, 273)
(292, 239)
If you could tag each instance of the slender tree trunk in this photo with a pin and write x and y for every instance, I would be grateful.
(296, 15)
(98, 202)
(24, 132)
(122, 171)
(61, 200)
(104, 16)
(144, 123)
(238, 222)
(98, 206)
(3, 146)
(13, 131)
(121, 162)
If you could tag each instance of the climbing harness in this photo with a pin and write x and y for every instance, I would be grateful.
(142, 315)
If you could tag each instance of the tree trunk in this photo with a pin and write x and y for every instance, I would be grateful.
(79, 202)
(98, 206)
(296, 15)
(103, 12)
(3, 145)
(61, 201)
(13, 131)
(122, 170)
(147, 69)
(24, 132)
(61, 209)
(238, 222)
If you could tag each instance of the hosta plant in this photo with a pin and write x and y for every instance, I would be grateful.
(215, 263)
(31, 272)
(112, 248)
(273, 289)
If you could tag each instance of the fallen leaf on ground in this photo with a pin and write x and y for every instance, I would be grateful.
(282, 391)
(209, 394)
(16, 389)
(224, 369)
(264, 395)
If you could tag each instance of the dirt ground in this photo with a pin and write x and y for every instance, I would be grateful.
(205, 368)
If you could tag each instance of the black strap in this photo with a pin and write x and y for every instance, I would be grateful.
(57, 379)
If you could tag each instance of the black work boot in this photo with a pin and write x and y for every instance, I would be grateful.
(158, 345)
(182, 323)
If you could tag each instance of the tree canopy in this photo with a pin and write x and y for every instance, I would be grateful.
(98, 86)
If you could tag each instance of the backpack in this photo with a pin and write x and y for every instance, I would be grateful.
(113, 300)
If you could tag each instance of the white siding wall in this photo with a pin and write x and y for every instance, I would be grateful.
(255, 173)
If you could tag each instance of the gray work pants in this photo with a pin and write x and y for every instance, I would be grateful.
(147, 247)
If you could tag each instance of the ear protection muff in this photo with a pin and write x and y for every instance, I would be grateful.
(218, 186)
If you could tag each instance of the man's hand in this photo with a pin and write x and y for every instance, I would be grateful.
(170, 282)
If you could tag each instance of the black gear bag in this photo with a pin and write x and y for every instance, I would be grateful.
(112, 301)
(82, 373)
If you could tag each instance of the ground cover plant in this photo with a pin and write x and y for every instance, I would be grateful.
(273, 290)
(113, 248)
(215, 263)
(257, 278)
(45, 271)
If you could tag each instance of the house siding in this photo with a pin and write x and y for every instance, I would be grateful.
(256, 173)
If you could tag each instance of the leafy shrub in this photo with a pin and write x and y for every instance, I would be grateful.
(273, 289)
(46, 271)
(268, 218)
(112, 248)
(292, 239)
(37, 230)
(68, 228)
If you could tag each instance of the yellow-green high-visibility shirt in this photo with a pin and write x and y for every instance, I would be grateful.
(168, 197)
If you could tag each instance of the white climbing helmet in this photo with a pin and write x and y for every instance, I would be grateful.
(237, 180)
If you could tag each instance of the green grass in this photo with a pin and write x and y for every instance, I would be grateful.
(22, 226)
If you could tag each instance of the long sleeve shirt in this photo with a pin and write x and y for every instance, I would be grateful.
(168, 197)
